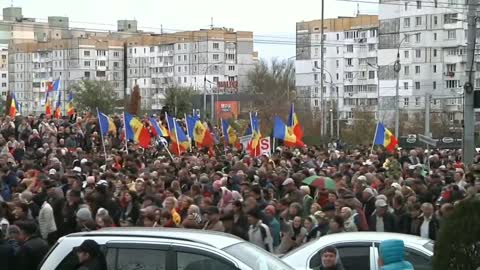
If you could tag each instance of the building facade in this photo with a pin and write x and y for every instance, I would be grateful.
(350, 66)
(214, 61)
(430, 38)
(33, 65)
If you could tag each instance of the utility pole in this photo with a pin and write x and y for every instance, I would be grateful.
(322, 66)
(427, 114)
(396, 68)
(468, 113)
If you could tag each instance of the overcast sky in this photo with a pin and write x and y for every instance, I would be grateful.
(271, 21)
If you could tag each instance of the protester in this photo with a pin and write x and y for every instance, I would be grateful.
(392, 254)
(54, 174)
(90, 257)
(330, 259)
(32, 247)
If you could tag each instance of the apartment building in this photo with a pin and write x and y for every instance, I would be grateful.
(33, 65)
(215, 60)
(430, 37)
(350, 65)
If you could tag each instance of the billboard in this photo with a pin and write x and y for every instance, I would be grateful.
(227, 109)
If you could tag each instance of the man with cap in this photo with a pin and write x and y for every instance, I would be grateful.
(292, 194)
(259, 233)
(381, 220)
(90, 257)
(32, 248)
(368, 199)
(213, 220)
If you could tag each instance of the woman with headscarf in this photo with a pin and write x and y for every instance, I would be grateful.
(226, 208)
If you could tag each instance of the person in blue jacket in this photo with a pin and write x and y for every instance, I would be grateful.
(392, 254)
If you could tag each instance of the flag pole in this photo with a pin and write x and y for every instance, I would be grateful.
(176, 135)
(125, 131)
(374, 138)
(101, 135)
(188, 133)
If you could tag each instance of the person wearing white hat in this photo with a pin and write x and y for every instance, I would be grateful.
(381, 220)
(368, 198)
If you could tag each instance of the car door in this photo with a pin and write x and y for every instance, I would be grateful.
(132, 256)
(355, 255)
(193, 258)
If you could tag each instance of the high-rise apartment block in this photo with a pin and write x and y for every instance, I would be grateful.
(350, 65)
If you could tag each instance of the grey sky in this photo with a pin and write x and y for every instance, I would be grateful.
(271, 21)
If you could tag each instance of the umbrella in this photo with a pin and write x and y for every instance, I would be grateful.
(325, 183)
(309, 180)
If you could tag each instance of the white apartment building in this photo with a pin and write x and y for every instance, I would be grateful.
(222, 56)
(430, 37)
(350, 65)
(33, 65)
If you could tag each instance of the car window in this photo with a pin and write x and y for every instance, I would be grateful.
(419, 261)
(191, 261)
(145, 259)
(70, 262)
(351, 257)
(357, 258)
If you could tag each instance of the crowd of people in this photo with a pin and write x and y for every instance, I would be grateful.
(56, 180)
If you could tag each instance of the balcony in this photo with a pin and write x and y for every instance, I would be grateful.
(455, 58)
(101, 68)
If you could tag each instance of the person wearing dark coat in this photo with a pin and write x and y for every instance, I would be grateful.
(240, 221)
(381, 220)
(32, 249)
(90, 256)
(7, 252)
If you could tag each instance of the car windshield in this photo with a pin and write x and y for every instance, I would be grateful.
(429, 245)
(255, 257)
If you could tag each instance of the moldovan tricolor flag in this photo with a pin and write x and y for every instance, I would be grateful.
(296, 128)
(13, 106)
(385, 137)
(136, 131)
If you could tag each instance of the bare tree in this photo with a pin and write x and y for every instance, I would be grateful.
(362, 129)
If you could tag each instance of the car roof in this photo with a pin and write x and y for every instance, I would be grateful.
(214, 239)
(373, 236)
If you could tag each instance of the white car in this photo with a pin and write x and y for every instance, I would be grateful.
(359, 250)
(164, 249)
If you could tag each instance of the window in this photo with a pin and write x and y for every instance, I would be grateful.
(87, 74)
(185, 79)
(417, 69)
(136, 258)
(405, 102)
(418, 21)
(435, 20)
(371, 47)
(450, 18)
(406, 70)
(216, 57)
(231, 68)
(179, 58)
(417, 85)
(451, 83)
(353, 257)
(338, 50)
(348, 61)
(434, 85)
(434, 52)
(338, 36)
(419, 4)
(316, 51)
(337, 76)
(152, 49)
(101, 53)
(101, 63)
(187, 261)
(215, 79)
(86, 53)
(418, 261)
(349, 48)
(4, 75)
(406, 22)
(362, 61)
(451, 67)
(231, 56)
(315, 77)
(418, 53)
(216, 46)
(434, 68)
(185, 58)
(434, 36)
(349, 75)
(405, 85)
(406, 6)
(116, 64)
(179, 46)
(417, 38)
(4, 84)
(371, 74)
(316, 102)
(417, 101)
(406, 54)
(337, 63)
(101, 74)
(86, 63)
(452, 34)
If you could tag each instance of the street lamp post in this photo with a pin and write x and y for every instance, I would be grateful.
(205, 89)
(324, 126)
